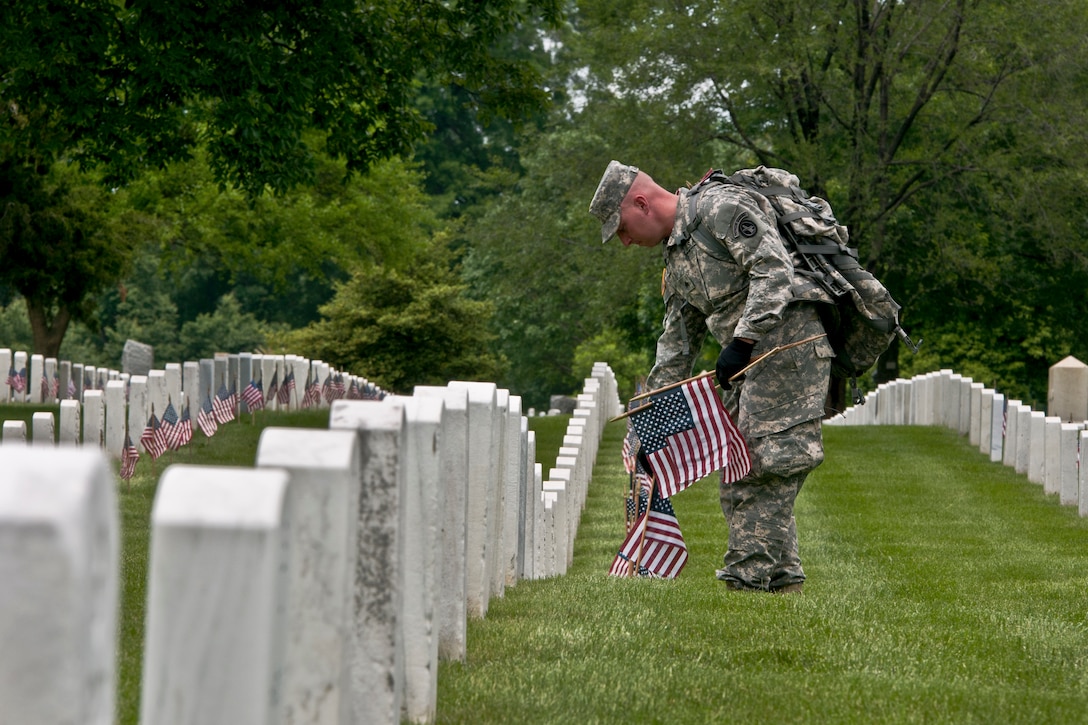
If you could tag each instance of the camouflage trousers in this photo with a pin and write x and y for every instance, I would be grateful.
(763, 550)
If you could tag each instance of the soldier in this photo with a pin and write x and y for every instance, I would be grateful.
(743, 295)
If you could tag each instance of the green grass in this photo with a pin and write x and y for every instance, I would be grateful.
(942, 588)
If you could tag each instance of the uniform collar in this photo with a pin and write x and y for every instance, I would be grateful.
(678, 226)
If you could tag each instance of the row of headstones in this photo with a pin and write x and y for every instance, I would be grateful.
(321, 586)
(1043, 447)
(101, 404)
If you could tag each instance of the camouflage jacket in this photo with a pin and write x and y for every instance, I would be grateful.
(748, 289)
(741, 294)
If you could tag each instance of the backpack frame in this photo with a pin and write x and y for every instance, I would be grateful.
(858, 313)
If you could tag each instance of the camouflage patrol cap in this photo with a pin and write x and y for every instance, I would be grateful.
(615, 183)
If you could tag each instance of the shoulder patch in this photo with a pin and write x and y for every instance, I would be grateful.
(744, 226)
(663, 281)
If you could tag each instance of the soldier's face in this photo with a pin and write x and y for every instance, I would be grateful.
(638, 224)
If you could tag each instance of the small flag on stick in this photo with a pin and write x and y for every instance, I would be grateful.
(685, 433)
(129, 456)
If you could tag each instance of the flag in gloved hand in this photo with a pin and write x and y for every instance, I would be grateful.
(685, 433)
(654, 543)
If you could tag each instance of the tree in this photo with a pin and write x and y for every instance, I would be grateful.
(127, 86)
(146, 82)
(59, 246)
(920, 122)
(403, 328)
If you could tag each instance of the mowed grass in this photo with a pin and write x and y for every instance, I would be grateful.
(942, 588)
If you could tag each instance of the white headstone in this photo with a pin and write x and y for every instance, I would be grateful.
(377, 676)
(59, 568)
(139, 409)
(94, 419)
(5, 370)
(68, 433)
(514, 507)
(137, 358)
(22, 368)
(215, 599)
(1052, 470)
(1069, 478)
(997, 427)
(34, 382)
(116, 418)
(1067, 390)
(44, 429)
(482, 455)
(1037, 447)
(454, 481)
(14, 432)
(173, 385)
(421, 445)
(1082, 495)
(322, 529)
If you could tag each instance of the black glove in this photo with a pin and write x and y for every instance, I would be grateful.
(733, 358)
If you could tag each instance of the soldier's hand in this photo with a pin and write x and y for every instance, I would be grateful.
(734, 357)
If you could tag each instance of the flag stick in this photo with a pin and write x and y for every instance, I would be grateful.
(745, 369)
(642, 536)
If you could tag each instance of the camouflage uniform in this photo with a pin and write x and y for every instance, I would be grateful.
(750, 292)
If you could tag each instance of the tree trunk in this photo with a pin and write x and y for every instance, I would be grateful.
(47, 333)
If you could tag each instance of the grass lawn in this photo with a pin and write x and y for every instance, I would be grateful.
(942, 588)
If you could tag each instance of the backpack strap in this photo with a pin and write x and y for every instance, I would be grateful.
(694, 229)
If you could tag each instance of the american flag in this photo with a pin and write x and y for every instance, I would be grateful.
(338, 386)
(253, 396)
(205, 418)
(654, 543)
(45, 388)
(312, 396)
(274, 387)
(170, 426)
(13, 380)
(54, 388)
(129, 456)
(71, 388)
(153, 438)
(371, 392)
(686, 433)
(327, 390)
(183, 431)
(353, 391)
(223, 406)
(284, 396)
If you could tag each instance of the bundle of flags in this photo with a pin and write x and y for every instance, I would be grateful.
(682, 433)
(654, 547)
(17, 380)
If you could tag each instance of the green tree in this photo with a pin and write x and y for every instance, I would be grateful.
(62, 240)
(403, 328)
(127, 86)
(947, 135)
